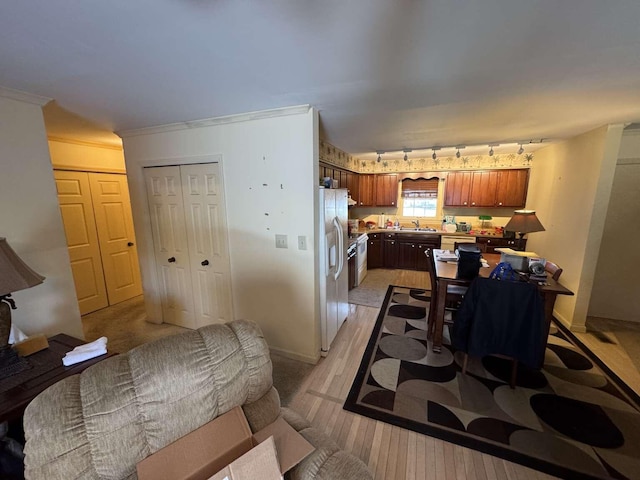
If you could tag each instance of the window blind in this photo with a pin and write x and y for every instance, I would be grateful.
(420, 187)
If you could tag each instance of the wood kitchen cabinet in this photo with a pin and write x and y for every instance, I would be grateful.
(390, 250)
(379, 190)
(511, 190)
(386, 190)
(487, 188)
(483, 189)
(492, 243)
(457, 189)
(374, 251)
(366, 185)
(353, 185)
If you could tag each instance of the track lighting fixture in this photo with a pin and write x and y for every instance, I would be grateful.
(506, 148)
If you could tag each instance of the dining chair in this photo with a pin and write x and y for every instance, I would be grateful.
(500, 318)
(455, 293)
(553, 269)
(481, 246)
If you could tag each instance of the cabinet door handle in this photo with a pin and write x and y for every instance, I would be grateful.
(392, 203)
(464, 203)
(473, 203)
(171, 259)
(129, 244)
(499, 203)
(204, 263)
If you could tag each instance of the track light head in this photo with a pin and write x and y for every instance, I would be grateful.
(379, 152)
(521, 150)
(406, 151)
(379, 158)
(458, 154)
(491, 151)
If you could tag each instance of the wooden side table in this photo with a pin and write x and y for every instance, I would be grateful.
(16, 391)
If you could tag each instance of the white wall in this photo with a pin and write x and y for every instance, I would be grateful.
(616, 289)
(569, 189)
(30, 219)
(269, 160)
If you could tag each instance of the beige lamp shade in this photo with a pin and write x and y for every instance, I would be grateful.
(14, 273)
(524, 221)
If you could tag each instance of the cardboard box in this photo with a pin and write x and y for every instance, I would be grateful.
(259, 462)
(208, 449)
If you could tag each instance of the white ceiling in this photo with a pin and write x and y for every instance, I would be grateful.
(384, 74)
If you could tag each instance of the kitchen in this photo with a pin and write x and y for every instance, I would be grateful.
(403, 212)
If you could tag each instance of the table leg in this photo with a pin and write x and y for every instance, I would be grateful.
(439, 320)
(549, 299)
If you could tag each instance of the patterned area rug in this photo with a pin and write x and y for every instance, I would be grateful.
(571, 419)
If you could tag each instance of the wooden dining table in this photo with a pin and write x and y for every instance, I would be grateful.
(446, 273)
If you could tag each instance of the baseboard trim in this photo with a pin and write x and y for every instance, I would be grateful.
(313, 360)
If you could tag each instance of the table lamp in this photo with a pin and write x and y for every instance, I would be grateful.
(524, 221)
(14, 275)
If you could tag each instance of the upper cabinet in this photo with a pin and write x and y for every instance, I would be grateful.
(379, 190)
(387, 190)
(487, 188)
(512, 188)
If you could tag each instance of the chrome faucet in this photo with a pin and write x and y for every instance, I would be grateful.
(416, 223)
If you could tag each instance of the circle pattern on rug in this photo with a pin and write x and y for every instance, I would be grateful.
(403, 348)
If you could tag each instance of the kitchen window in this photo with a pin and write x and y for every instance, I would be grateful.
(420, 197)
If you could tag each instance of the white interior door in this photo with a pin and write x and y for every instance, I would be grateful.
(203, 194)
(166, 208)
(112, 208)
(74, 196)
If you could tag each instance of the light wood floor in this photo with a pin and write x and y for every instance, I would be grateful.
(390, 452)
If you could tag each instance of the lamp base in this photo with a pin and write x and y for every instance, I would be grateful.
(11, 363)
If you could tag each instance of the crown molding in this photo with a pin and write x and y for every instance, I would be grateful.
(24, 96)
(210, 122)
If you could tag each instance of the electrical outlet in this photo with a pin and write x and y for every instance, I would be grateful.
(302, 242)
(281, 241)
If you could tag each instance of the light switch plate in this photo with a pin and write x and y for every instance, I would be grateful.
(281, 241)
(302, 242)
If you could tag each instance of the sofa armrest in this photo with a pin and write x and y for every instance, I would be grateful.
(328, 461)
(263, 411)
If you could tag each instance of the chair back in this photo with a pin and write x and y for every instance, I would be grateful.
(480, 246)
(553, 269)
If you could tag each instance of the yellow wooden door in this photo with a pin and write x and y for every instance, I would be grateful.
(114, 223)
(205, 219)
(74, 196)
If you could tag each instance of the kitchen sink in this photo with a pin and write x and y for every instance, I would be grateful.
(425, 229)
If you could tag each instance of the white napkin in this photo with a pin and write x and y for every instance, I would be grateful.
(85, 352)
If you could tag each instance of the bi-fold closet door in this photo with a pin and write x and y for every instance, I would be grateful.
(188, 221)
(96, 213)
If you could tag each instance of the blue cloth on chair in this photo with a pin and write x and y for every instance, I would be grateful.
(500, 317)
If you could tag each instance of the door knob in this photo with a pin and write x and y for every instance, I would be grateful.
(171, 260)
(130, 244)
(204, 263)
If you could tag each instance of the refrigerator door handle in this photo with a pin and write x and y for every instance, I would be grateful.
(339, 246)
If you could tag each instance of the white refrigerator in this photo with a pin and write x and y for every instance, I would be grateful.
(334, 300)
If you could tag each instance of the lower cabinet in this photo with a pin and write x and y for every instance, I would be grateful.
(374, 251)
(390, 253)
(402, 250)
(492, 243)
